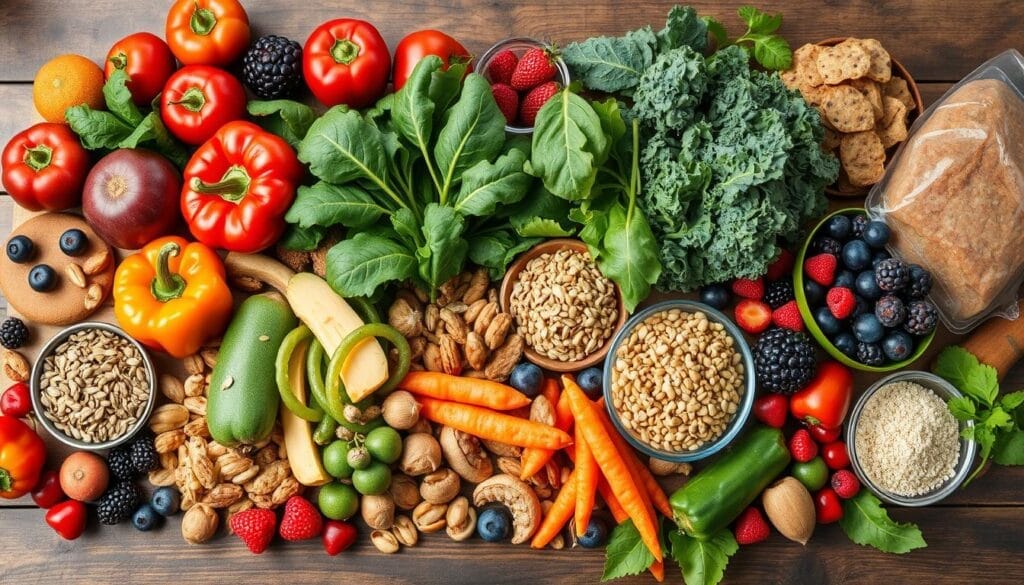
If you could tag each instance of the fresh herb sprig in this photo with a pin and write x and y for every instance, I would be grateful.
(770, 50)
(702, 562)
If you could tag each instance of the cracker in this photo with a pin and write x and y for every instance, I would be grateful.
(881, 63)
(895, 131)
(804, 71)
(897, 88)
(869, 88)
(893, 109)
(812, 95)
(847, 110)
(843, 184)
(863, 157)
(847, 60)
(831, 141)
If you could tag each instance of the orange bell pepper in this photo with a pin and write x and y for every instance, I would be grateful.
(172, 295)
(22, 455)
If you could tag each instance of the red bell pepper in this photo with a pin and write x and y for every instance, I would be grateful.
(825, 400)
(22, 455)
(44, 167)
(67, 519)
(346, 61)
(238, 186)
(48, 492)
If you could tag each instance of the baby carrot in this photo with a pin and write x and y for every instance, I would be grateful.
(492, 425)
(465, 390)
(641, 472)
(658, 568)
(613, 467)
(559, 513)
(533, 460)
(587, 474)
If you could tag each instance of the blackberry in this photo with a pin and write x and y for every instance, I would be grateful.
(870, 354)
(921, 318)
(144, 457)
(13, 333)
(826, 245)
(119, 460)
(118, 503)
(272, 68)
(890, 311)
(920, 282)
(784, 360)
(892, 275)
(857, 225)
(778, 293)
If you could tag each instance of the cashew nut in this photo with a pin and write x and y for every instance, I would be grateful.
(465, 455)
(429, 517)
(515, 495)
(440, 487)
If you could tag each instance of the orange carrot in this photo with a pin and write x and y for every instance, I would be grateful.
(586, 482)
(551, 391)
(614, 506)
(533, 460)
(613, 467)
(657, 570)
(641, 472)
(489, 424)
(465, 390)
(559, 513)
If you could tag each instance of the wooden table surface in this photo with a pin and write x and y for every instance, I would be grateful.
(974, 535)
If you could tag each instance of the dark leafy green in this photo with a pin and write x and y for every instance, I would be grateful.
(703, 562)
(625, 553)
(286, 118)
(770, 50)
(866, 522)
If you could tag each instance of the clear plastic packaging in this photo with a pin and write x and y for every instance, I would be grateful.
(954, 195)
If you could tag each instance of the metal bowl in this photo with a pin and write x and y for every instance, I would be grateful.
(968, 447)
(746, 401)
(37, 372)
(520, 45)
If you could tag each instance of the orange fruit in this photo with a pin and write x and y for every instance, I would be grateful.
(66, 81)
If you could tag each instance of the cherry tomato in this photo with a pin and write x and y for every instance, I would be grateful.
(346, 61)
(338, 536)
(16, 400)
(207, 32)
(823, 435)
(47, 492)
(418, 45)
(827, 506)
(198, 100)
(67, 519)
(148, 62)
(835, 455)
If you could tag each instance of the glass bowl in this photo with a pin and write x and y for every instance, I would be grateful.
(520, 45)
(968, 447)
(746, 400)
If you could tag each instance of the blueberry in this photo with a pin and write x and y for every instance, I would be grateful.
(715, 295)
(591, 381)
(829, 325)
(814, 292)
(860, 306)
(73, 242)
(845, 279)
(596, 534)
(145, 518)
(866, 285)
(42, 278)
(856, 255)
(876, 234)
(494, 524)
(898, 346)
(839, 227)
(527, 378)
(19, 249)
(846, 343)
(166, 501)
(867, 328)
(879, 256)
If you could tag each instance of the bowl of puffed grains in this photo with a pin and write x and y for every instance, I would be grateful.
(678, 381)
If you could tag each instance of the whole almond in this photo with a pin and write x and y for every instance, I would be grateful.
(172, 388)
(75, 275)
(194, 364)
(16, 367)
(93, 296)
(790, 509)
(96, 263)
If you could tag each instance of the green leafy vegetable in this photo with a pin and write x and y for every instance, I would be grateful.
(770, 50)
(865, 522)
(296, 237)
(568, 146)
(286, 118)
(625, 553)
(360, 264)
(703, 562)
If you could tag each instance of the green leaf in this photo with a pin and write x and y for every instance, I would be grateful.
(630, 256)
(773, 53)
(865, 522)
(341, 146)
(407, 228)
(286, 118)
(444, 253)
(683, 28)
(703, 562)
(153, 132)
(717, 31)
(357, 266)
(1012, 400)
(119, 99)
(445, 85)
(296, 237)
(962, 369)
(326, 204)
(1009, 448)
(413, 110)
(997, 418)
(625, 553)
(541, 227)
(962, 408)
(496, 250)
(474, 131)
(487, 185)
(759, 22)
(613, 64)
(568, 145)
(96, 129)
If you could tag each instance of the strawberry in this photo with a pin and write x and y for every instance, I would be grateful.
(845, 483)
(301, 520)
(749, 289)
(821, 269)
(255, 527)
(753, 316)
(533, 101)
(534, 68)
(802, 447)
(500, 69)
(772, 409)
(788, 317)
(507, 99)
(781, 266)
(827, 506)
(751, 527)
(841, 302)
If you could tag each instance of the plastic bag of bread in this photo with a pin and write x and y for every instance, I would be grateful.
(954, 195)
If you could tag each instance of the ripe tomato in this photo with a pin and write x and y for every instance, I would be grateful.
(835, 455)
(148, 62)
(418, 45)
(207, 32)
(198, 100)
(44, 167)
(346, 61)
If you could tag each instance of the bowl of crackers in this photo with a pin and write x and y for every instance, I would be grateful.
(867, 102)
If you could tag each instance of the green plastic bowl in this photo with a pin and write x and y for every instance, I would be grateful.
(812, 325)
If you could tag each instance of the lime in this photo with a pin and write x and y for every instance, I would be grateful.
(335, 459)
(384, 444)
(812, 474)
(338, 501)
(372, 481)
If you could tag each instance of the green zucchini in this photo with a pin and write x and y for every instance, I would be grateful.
(720, 492)
(243, 398)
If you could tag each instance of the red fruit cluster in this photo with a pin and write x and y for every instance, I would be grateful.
(521, 85)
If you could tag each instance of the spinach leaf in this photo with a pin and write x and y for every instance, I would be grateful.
(474, 131)
(119, 99)
(341, 146)
(496, 250)
(151, 130)
(568, 146)
(407, 228)
(305, 239)
(97, 129)
(629, 256)
(703, 562)
(867, 523)
(413, 113)
(487, 185)
(358, 265)
(541, 227)
(445, 85)
(286, 118)
(444, 253)
(327, 204)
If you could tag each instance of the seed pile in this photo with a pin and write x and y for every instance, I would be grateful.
(94, 386)
(677, 380)
(564, 307)
(907, 440)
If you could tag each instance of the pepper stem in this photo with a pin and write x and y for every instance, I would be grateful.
(192, 100)
(344, 51)
(232, 186)
(6, 481)
(167, 286)
(203, 20)
(119, 60)
(38, 157)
